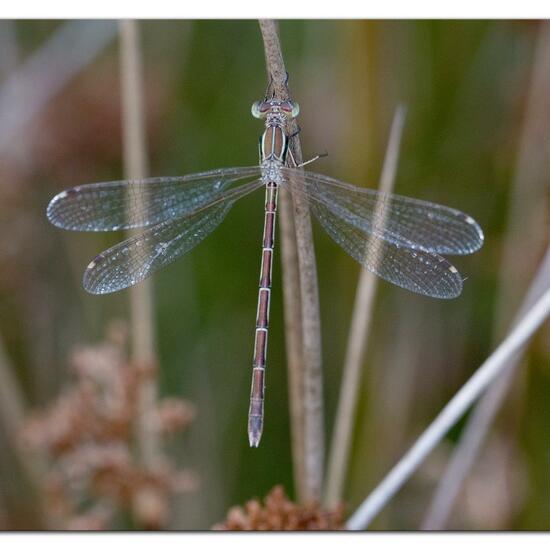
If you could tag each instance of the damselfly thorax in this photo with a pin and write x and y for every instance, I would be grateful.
(398, 238)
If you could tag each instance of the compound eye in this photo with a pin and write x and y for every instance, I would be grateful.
(295, 110)
(256, 109)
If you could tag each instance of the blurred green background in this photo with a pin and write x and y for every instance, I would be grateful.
(477, 138)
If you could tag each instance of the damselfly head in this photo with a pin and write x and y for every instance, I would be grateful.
(260, 109)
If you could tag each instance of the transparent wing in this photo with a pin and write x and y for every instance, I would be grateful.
(413, 269)
(134, 259)
(127, 204)
(413, 223)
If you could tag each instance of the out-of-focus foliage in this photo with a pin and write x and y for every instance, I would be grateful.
(466, 86)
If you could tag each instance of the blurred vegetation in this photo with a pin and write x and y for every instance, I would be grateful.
(466, 86)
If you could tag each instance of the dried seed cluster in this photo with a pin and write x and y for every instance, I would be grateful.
(87, 437)
(278, 513)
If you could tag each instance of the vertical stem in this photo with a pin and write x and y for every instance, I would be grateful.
(293, 337)
(312, 382)
(358, 337)
(141, 296)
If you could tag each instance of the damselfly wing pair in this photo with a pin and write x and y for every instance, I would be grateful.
(398, 238)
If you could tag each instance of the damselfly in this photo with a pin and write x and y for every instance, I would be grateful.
(399, 239)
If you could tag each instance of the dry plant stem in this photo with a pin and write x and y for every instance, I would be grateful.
(293, 338)
(141, 296)
(313, 425)
(46, 72)
(291, 292)
(481, 420)
(494, 366)
(291, 298)
(358, 338)
(525, 236)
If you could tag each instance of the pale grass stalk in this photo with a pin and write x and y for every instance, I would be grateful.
(527, 220)
(311, 389)
(141, 296)
(486, 374)
(46, 72)
(358, 336)
(480, 422)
